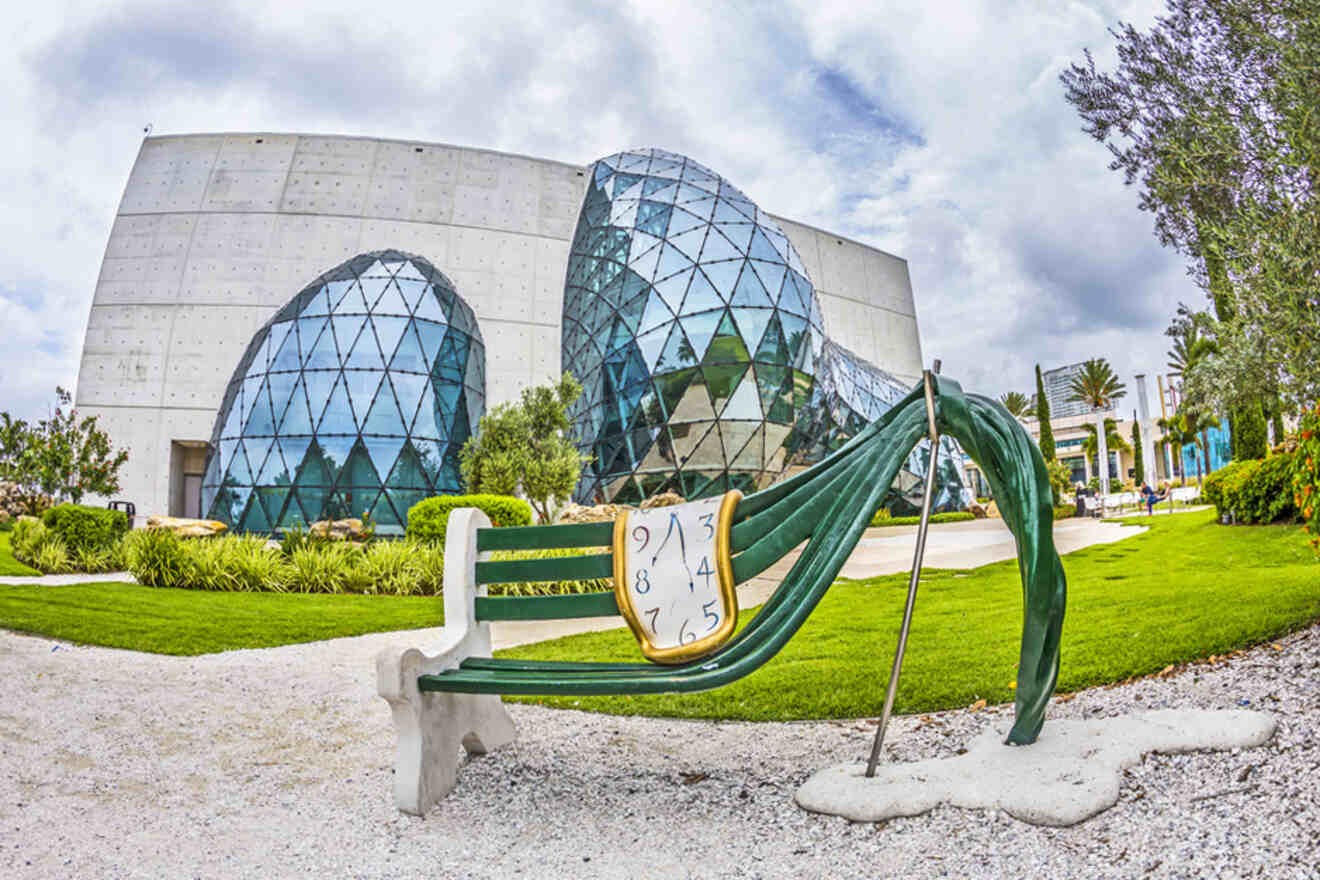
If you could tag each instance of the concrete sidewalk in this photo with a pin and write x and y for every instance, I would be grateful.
(880, 551)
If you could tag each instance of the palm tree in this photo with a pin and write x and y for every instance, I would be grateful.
(1190, 348)
(1113, 440)
(1097, 385)
(1016, 403)
(1188, 427)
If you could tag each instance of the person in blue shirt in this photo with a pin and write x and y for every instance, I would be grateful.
(1151, 497)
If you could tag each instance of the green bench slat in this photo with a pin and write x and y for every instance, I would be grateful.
(497, 663)
(558, 568)
(598, 534)
(546, 607)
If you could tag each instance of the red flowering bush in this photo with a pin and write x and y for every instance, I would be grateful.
(1306, 478)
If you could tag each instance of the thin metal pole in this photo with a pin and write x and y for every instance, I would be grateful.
(926, 503)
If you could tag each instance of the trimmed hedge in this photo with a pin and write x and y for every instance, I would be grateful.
(882, 518)
(87, 529)
(428, 519)
(1255, 490)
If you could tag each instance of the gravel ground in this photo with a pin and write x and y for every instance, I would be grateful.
(276, 763)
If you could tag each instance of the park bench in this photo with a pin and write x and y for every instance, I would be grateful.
(450, 699)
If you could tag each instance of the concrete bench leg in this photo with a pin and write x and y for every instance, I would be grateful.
(431, 727)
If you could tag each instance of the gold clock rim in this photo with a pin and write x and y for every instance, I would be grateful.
(724, 574)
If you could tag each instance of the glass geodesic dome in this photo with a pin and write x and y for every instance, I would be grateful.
(690, 321)
(355, 398)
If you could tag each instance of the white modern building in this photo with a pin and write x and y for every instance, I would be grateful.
(216, 232)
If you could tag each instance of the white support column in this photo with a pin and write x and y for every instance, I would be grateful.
(1147, 431)
(1102, 457)
(432, 727)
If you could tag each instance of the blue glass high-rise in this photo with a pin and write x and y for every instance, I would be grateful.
(355, 397)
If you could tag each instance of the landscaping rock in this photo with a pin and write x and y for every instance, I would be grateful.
(977, 510)
(338, 530)
(187, 528)
(664, 499)
(577, 513)
(992, 510)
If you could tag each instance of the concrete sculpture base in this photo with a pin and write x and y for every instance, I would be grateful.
(1068, 775)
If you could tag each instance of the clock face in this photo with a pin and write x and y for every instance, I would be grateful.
(673, 578)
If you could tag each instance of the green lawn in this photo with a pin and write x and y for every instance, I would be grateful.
(1188, 588)
(8, 564)
(198, 622)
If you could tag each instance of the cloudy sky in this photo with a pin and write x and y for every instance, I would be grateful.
(934, 130)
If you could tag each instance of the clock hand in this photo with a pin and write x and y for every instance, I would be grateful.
(673, 521)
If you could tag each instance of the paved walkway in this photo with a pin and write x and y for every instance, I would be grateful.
(64, 580)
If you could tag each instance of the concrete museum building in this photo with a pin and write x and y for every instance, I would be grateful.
(288, 326)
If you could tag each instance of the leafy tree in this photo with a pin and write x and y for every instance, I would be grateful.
(1216, 114)
(61, 456)
(1097, 385)
(1138, 457)
(1249, 433)
(1043, 418)
(521, 447)
(1016, 403)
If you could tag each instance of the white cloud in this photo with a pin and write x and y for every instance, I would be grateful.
(939, 134)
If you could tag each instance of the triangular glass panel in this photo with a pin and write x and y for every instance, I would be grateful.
(383, 451)
(315, 469)
(286, 357)
(795, 335)
(701, 295)
(391, 302)
(656, 314)
(689, 243)
(652, 184)
(631, 312)
(770, 381)
(772, 349)
(408, 388)
(261, 422)
(751, 454)
(365, 354)
(678, 352)
(721, 380)
(336, 291)
(745, 402)
(353, 302)
(389, 331)
(723, 276)
(673, 386)
(384, 417)
(771, 274)
(234, 421)
(318, 383)
(751, 325)
(274, 341)
(358, 471)
(682, 221)
(726, 346)
(673, 288)
(337, 417)
(409, 356)
(672, 260)
(322, 355)
(645, 264)
(409, 472)
(431, 336)
(762, 249)
(651, 344)
(362, 389)
(429, 308)
(653, 218)
(239, 473)
(718, 248)
(335, 450)
(294, 450)
(254, 518)
(309, 330)
(739, 234)
(709, 452)
(273, 472)
(346, 331)
(224, 457)
(412, 291)
(296, 419)
(749, 291)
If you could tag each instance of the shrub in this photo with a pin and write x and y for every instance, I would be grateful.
(322, 568)
(158, 558)
(428, 519)
(1255, 490)
(1306, 473)
(52, 556)
(392, 568)
(955, 516)
(1063, 511)
(86, 528)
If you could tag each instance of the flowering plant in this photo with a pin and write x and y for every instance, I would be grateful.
(1306, 479)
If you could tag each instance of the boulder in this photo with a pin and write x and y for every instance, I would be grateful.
(187, 528)
(976, 509)
(664, 499)
(577, 513)
(338, 530)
